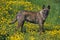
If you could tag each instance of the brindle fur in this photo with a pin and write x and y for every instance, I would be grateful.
(33, 17)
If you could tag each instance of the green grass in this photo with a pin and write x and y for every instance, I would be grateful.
(8, 11)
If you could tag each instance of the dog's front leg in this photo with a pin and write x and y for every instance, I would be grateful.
(41, 29)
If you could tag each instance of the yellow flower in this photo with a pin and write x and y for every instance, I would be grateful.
(22, 2)
(59, 16)
(2, 18)
(53, 33)
(10, 8)
(3, 31)
(16, 36)
(1, 21)
(32, 38)
(46, 24)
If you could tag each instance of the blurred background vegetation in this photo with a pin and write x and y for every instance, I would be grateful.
(9, 9)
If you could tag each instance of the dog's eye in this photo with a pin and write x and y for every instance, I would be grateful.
(44, 10)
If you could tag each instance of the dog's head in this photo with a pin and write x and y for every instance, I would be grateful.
(46, 9)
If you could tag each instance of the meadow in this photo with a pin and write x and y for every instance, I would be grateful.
(9, 9)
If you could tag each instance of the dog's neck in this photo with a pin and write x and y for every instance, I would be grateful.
(43, 15)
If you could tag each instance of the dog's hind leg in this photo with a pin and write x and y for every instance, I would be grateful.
(20, 20)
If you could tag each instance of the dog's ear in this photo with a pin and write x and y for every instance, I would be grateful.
(48, 6)
(43, 7)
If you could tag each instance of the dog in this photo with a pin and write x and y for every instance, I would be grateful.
(32, 17)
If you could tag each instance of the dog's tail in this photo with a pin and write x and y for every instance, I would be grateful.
(13, 21)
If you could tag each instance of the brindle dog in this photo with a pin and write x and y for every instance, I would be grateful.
(33, 17)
